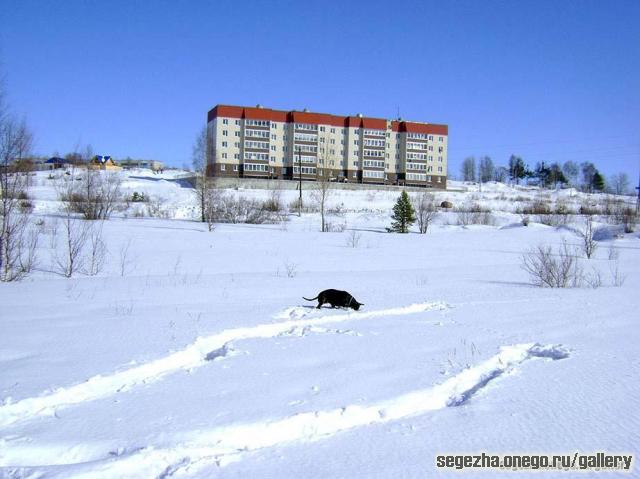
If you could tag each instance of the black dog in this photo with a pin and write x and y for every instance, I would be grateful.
(335, 298)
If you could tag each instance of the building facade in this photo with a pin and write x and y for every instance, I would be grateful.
(248, 142)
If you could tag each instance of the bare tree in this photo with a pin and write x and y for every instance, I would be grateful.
(97, 249)
(487, 169)
(75, 232)
(619, 183)
(469, 169)
(97, 194)
(18, 241)
(205, 189)
(589, 245)
(322, 186)
(426, 211)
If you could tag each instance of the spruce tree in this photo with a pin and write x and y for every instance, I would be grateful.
(598, 181)
(403, 215)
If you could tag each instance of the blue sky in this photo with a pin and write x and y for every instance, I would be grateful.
(547, 80)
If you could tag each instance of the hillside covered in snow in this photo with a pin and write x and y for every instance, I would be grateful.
(192, 353)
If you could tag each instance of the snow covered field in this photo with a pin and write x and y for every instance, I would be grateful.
(200, 358)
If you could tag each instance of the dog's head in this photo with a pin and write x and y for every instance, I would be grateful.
(355, 305)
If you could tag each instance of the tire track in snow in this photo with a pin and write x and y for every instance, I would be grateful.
(227, 444)
(196, 354)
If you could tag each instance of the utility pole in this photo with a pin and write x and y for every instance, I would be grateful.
(299, 182)
(638, 199)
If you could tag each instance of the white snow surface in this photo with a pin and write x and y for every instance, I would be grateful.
(199, 357)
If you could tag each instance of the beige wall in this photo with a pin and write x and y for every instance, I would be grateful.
(339, 147)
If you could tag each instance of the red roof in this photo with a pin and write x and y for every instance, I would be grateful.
(255, 113)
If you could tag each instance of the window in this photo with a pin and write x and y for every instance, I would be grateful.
(273, 137)
(252, 155)
(304, 126)
(333, 141)
(223, 167)
(430, 148)
(256, 133)
(374, 153)
(439, 179)
(355, 174)
(262, 145)
(416, 176)
(322, 128)
(237, 133)
(373, 164)
(429, 178)
(372, 142)
(307, 148)
(440, 139)
(416, 156)
(256, 123)
(255, 167)
(224, 144)
(440, 148)
(416, 166)
(440, 169)
(305, 159)
(305, 137)
(237, 144)
(431, 137)
(373, 174)
(439, 158)
(273, 147)
(236, 156)
(333, 130)
(273, 158)
(224, 132)
(274, 125)
(430, 158)
(224, 156)
(235, 167)
(355, 142)
(306, 170)
(321, 140)
(225, 122)
(411, 145)
(273, 170)
(237, 123)
(374, 133)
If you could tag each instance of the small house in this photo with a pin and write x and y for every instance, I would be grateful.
(100, 162)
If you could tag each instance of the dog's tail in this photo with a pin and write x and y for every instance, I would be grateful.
(312, 299)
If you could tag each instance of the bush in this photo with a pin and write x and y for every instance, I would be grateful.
(139, 197)
(551, 269)
(474, 214)
(538, 207)
(589, 209)
(243, 210)
(627, 217)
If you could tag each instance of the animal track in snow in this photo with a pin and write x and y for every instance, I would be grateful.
(196, 354)
(228, 443)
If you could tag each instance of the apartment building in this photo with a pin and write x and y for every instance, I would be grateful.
(258, 142)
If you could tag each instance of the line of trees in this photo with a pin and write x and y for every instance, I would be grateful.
(583, 175)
